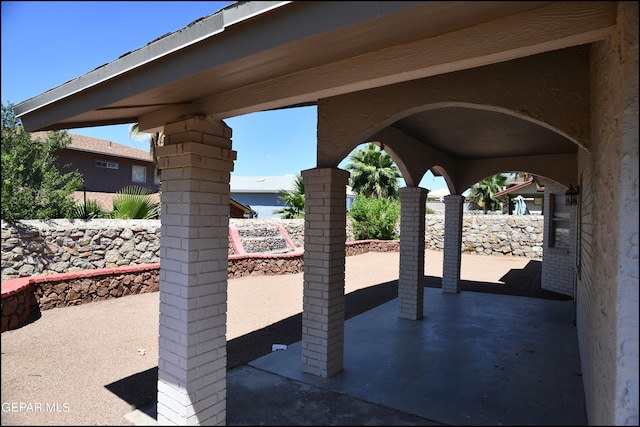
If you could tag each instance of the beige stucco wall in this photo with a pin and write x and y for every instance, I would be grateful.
(607, 301)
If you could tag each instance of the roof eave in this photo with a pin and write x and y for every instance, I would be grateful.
(193, 33)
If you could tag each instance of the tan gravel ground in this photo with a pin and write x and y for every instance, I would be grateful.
(55, 370)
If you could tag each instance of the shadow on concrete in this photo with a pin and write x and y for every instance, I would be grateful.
(141, 389)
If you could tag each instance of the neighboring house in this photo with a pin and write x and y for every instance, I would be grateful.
(238, 210)
(260, 193)
(435, 200)
(531, 190)
(106, 168)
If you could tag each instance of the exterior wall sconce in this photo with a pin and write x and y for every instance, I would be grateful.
(571, 196)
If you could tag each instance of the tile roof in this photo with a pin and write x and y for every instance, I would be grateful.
(519, 186)
(101, 146)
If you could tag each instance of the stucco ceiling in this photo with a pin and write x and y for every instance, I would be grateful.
(467, 133)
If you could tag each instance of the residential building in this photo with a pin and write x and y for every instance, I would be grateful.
(261, 193)
(106, 168)
(531, 191)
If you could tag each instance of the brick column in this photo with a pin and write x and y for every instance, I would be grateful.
(410, 286)
(452, 243)
(196, 163)
(324, 263)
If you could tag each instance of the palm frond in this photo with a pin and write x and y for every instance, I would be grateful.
(134, 202)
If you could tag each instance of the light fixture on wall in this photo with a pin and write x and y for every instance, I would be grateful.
(571, 196)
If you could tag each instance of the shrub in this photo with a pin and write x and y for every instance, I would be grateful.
(134, 202)
(89, 210)
(374, 218)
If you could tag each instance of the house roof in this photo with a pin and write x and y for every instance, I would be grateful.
(267, 184)
(261, 184)
(244, 208)
(522, 188)
(101, 146)
(439, 193)
(259, 55)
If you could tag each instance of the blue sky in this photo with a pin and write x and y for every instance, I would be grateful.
(47, 43)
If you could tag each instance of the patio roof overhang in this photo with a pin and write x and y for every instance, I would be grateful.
(255, 56)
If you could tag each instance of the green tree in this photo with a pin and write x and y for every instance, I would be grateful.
(482, 192)
(373, 173)
(33, 185)
(374, 217)
(293, 200)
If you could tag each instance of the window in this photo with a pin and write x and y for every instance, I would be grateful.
(106, 164)
(156, 176)
(139, 174)
(560, 232)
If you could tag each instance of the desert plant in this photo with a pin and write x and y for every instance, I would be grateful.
(134, 202)
(89, 210)
(293, 200)
(482, 192)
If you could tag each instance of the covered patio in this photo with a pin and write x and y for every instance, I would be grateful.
(466, 90)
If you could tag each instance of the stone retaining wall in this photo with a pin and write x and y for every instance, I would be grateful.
(35, 247)
(22, 298)
(62, 262)
(60, 246)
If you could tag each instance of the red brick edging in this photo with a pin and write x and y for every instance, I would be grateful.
(24, 296)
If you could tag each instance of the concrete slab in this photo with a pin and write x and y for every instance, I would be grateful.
(475, 359)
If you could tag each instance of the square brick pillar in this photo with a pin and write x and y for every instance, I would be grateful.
(410, 286)
(452, 253)
(196, 164)
(325, 216)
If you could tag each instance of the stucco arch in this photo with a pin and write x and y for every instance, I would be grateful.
(416, 155)
(348, 120)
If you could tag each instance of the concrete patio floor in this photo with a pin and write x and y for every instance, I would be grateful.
(476, 358)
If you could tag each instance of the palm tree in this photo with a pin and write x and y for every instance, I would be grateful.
(293, 200)
(373, 173)
(482, 191)
(155, 140)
